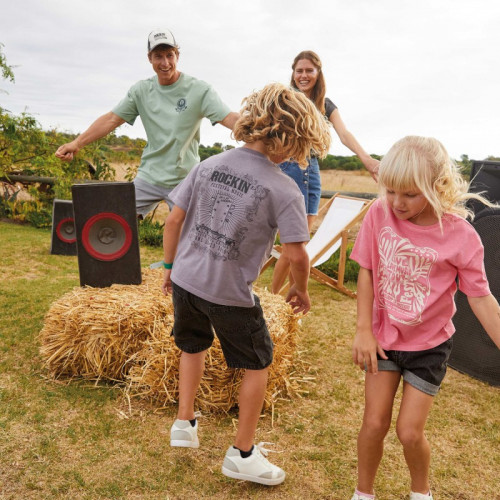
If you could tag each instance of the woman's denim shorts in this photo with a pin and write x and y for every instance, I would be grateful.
(308, 180)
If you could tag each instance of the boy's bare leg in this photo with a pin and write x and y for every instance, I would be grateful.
(415, 407)
(380, 390)
(191, 368)
(250, 400)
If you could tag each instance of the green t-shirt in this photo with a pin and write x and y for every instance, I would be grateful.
(171, 115)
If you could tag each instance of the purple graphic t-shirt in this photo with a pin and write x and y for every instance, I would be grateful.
(235, 202)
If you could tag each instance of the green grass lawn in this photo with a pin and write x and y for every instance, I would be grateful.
(80, 440)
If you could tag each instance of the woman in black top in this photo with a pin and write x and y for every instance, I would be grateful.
(307, 77)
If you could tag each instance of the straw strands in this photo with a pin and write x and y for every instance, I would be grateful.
(122, 334)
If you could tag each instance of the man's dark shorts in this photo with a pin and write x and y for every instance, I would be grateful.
(424, 370)
(242, 331)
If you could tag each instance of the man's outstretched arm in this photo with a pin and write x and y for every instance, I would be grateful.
(100, 128)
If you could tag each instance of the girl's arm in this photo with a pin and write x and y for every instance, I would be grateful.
(365, 345)
(487, 311)
(349, 141)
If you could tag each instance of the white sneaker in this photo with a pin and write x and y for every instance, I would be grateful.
(360, 497)
(420, 496)
(255, 468)
(183, 434)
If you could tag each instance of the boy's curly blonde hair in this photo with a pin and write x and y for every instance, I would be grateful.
(286, 121)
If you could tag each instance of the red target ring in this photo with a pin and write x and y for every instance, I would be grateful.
(65, 230)
(106, 236)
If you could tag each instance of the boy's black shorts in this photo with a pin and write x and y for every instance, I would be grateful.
(242, 331)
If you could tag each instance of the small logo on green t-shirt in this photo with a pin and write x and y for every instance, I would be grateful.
(181, 105)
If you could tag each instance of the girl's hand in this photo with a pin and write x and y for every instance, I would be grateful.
(364, 351)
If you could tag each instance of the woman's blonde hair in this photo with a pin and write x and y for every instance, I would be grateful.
(286, 121)
(319, 90)
(423, 164)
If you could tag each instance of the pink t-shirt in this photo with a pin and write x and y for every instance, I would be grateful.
(414, 270)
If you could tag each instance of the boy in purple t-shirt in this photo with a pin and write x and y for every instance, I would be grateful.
(221, 230)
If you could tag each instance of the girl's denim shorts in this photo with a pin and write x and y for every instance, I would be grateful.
(424, 370)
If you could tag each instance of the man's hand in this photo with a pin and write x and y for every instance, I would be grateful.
(300, 301)
(67, 151)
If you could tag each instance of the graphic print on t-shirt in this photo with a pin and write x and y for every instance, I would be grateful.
(403, 271)
(227, 203)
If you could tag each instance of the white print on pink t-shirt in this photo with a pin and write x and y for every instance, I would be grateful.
(403, 273)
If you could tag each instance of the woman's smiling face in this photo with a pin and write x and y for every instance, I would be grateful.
(305, 76)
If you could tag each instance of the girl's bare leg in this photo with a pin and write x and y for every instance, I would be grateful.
(380, 390)
(415, 407)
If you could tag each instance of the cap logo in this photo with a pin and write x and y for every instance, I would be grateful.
(157, 35)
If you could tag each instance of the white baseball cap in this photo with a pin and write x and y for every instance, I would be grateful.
(160, 36)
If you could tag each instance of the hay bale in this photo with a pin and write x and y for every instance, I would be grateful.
(93, 332)
(122, 333)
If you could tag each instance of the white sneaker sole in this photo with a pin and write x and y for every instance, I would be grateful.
(253, 479)
(184, 444)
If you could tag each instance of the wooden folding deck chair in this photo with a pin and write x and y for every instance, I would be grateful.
(342, 213)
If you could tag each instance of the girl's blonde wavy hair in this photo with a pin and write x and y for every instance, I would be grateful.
(286, 121)
(423, 164)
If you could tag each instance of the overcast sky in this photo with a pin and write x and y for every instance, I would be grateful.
(393, 67)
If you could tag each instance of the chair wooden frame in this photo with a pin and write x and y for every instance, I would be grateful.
(335, 241)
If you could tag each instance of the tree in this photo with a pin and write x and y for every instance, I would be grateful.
(7, 73)
(465, 165)
(28, 150)
(207, 151)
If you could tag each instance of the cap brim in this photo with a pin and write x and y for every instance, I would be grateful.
(162, 43)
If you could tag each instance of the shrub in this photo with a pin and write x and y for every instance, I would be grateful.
(331, 266)
(151, 232)
(38, 213)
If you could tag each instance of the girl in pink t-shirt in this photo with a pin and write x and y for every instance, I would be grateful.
(413, 244)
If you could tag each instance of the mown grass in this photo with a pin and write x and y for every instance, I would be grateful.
(79, 440)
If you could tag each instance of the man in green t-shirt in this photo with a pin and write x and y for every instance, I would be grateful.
(171, 106)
